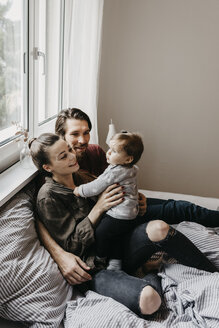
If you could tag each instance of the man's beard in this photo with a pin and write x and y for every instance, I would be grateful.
(80, 156)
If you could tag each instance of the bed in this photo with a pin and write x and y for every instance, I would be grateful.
(33, 292)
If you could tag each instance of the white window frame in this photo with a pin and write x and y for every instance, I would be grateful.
(9, 151)
(13, 177)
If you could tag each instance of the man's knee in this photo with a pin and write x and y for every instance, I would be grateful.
(150, 300)
(157, 230)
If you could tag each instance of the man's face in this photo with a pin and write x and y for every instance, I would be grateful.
(77, 135)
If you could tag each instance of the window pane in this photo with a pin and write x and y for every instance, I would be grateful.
(50, 44)
(12, 100)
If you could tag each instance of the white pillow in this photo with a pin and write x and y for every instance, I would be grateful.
(32, 288)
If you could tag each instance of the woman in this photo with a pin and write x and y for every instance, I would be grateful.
(71, 221)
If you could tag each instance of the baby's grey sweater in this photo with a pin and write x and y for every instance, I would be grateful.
(126, 177)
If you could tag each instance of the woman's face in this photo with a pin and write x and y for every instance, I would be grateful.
(63, 159)
(77, 135)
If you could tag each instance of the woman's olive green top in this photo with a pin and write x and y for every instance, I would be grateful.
(66, 218)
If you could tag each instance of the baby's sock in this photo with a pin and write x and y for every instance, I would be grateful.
(114, 264)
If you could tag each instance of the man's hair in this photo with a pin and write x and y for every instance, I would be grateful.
(70, 113)
(131, 143)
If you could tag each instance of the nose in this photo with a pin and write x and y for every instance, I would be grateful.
(72, 155)
(81, 139)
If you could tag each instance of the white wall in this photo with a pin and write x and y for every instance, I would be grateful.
(159, 75)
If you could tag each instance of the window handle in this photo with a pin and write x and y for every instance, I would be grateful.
(37, 53)
(24, 62)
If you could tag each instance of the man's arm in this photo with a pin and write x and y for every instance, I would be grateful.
(70, 265)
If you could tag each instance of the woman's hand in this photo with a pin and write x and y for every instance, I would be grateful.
(112, 196)
(73, 269)
(142, 203)
(76, 193)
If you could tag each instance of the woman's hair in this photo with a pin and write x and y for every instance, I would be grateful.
(39, 148)
(70, 113)
(131, 143)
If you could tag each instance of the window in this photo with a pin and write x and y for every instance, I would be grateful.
(31, 37)
(13, 77)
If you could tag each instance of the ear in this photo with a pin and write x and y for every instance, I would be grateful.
(47, 168)
(129, 160)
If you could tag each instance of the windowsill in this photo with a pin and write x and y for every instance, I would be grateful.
(14, 179)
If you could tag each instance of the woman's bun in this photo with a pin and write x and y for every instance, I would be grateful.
(30, 142)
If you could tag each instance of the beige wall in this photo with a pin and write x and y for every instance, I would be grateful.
(159, 75)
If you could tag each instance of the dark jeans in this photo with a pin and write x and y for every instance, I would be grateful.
(176, 211)
(124, 288)
(109, 231)
(137, 248)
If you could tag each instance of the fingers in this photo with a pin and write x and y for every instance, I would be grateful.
(141, 197)
(115, 197)
(77, 277)
(142, 205)
(82, 263)
(142, 202)
(108, 189)
(72, 280)
(113, 189)
(80, 270)
(116, 202)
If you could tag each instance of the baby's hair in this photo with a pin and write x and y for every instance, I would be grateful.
(39, 148)
(131, 143)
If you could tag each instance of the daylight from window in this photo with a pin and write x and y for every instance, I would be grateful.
(11, 57)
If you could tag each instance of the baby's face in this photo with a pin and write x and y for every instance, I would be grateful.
(116, 154)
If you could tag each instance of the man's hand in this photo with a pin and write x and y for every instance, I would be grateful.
(71, 266)
(73, 269)
(142, 202)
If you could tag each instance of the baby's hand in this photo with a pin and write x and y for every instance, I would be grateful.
(76, 193)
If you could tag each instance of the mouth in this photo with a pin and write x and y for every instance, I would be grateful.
(75, 164)
(80, 148)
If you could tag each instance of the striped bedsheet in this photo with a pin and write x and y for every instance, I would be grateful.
(190, 295)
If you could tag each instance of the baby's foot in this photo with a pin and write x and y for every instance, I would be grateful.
(114, 264)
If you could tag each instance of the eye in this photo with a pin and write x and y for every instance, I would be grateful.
(74, 134)
(64, 156)
(87, 132)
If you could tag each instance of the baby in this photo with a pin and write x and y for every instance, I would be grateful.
(124, 152)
